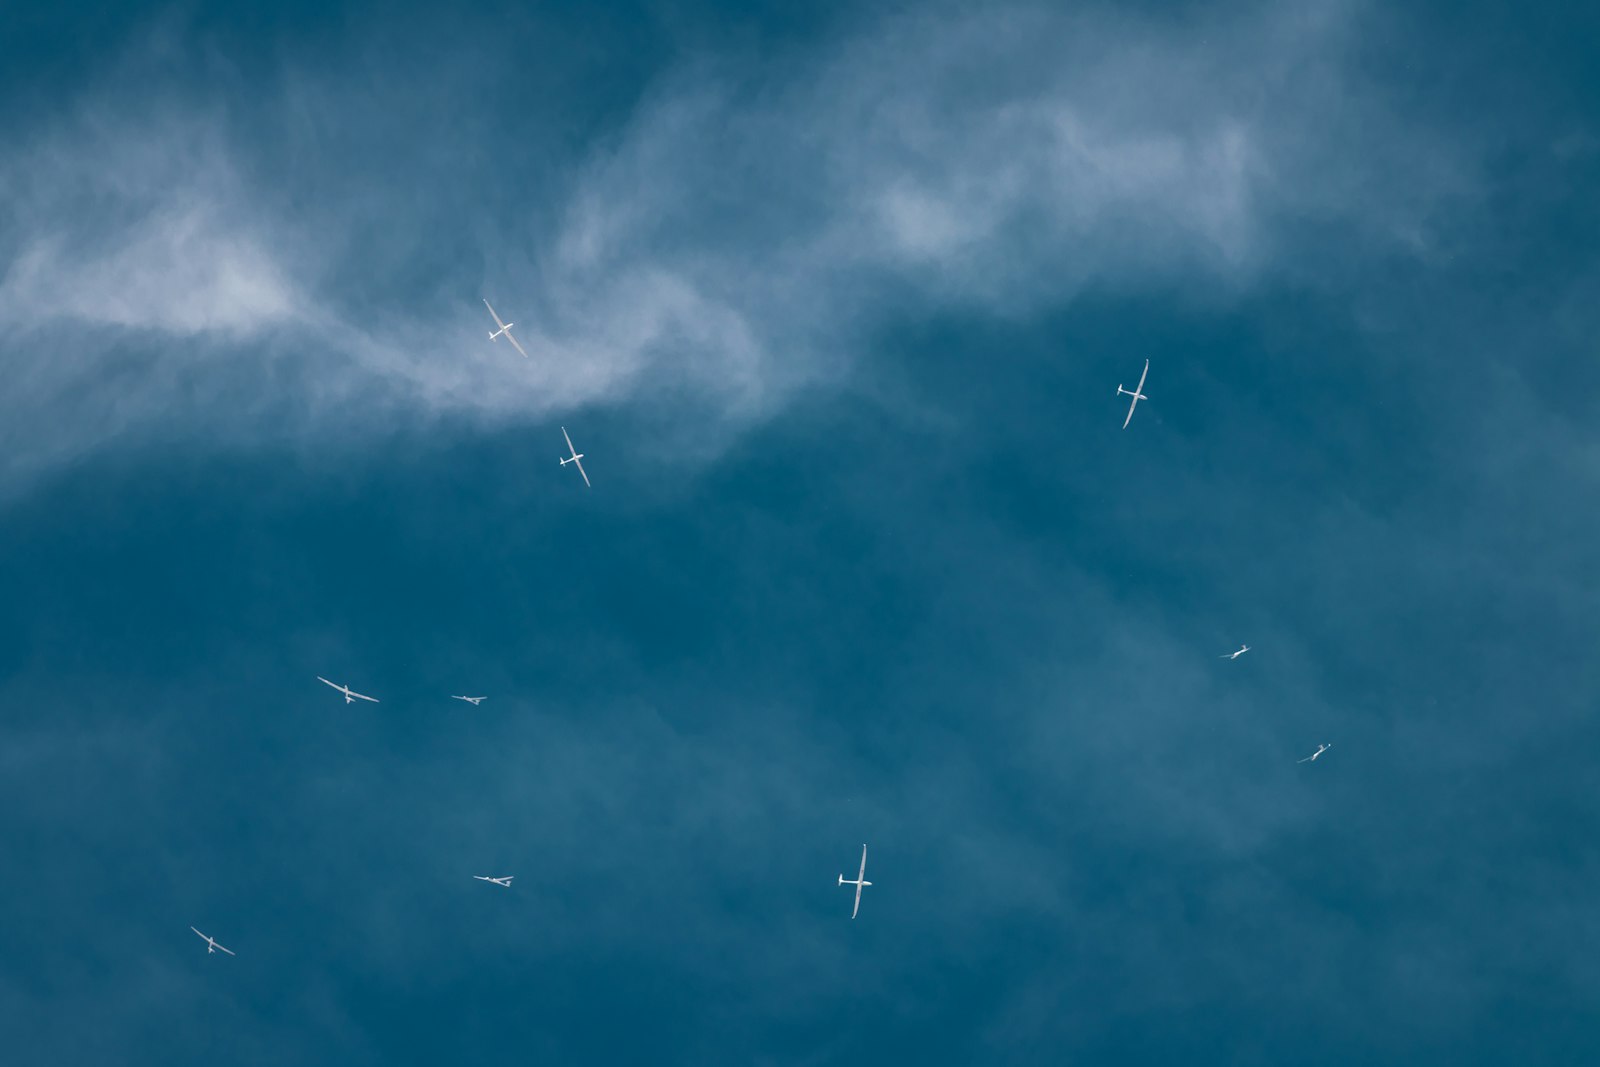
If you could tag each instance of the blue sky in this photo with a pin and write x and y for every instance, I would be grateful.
(835, 303)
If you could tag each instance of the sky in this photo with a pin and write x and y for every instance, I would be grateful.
(835, 299)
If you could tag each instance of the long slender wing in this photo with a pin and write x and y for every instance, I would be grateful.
(579, 462)
(516, 344)
(199, 934)
(492, 311)
(1140, 387)
(857, 908)
(863, 874)
(360, 696)
(1130, 410)
(229, 951)
(324, 681)
(568, 436)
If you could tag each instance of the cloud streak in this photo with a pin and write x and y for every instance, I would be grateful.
(737, 238)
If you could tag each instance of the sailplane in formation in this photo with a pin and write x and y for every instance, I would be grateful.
(1137, 394)
(505, 329)
(350, 695)
(576, 457)
(212, 946)
(860, 881)
(504, 879)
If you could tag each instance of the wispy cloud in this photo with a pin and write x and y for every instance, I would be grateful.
(733, 240)
(140, 229)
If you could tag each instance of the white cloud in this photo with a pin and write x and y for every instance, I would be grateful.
(180, 270)
(140, 228)
(721, 249)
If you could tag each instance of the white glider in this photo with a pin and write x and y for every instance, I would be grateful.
(1137, 394)
(505, 328)
(860, 881)
(474, 701)
(350, 695)
(576, 457)
(212, 946)
(504, 879)
(1235, 655)
(1320, 750)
